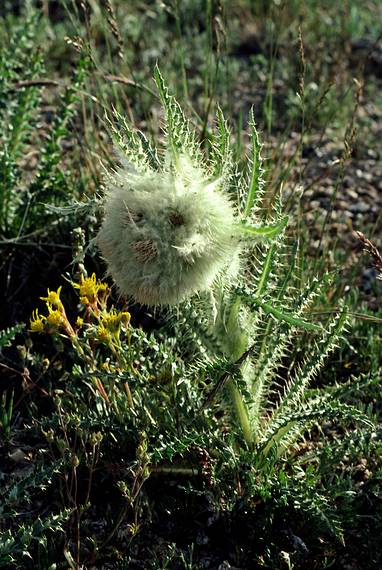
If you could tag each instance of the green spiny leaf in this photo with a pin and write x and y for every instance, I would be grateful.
(180, 138)
(256, 182)
(265, 231)
(133, 143)
(279, 313)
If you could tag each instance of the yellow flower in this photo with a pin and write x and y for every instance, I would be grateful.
(37, 322)
(53, 299)
(125, 317)
(102, 288)
(55, 318)
(112, 320)
(79, 321)
(89, 288)
(103, 334)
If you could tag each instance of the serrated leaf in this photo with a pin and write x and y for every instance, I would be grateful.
(256, 181)
(279, 313)
(268, 231)
(133, 144)
(180, 137)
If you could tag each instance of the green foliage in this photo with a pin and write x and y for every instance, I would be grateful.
(16, 545)
(8, 335)
(24, 196)
(6, 412)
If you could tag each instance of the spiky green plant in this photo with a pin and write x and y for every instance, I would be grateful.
(248, 320)
(24, 197)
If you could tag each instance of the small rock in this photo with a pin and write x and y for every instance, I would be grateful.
(360, 207)
(352, 194)
(368, 176)
(373, 154)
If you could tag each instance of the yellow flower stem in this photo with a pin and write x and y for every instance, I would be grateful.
(129, 395)
(117, 352)
(101, 390)
(80, 351)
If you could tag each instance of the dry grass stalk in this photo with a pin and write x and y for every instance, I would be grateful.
(372, 250)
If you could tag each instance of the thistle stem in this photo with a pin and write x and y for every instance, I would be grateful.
(241, 412)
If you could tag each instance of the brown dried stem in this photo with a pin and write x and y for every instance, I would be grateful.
(371, 250)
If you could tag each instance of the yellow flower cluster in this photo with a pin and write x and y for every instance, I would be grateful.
(93, 295)
(79, 322)
(55, 319)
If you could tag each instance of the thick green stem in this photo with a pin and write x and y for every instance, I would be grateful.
(241, 412)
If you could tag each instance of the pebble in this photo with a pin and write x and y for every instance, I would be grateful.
(352, 194)
(360, 207)
(368, 192)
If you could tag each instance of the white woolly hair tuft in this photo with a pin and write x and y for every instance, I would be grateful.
(167, 235)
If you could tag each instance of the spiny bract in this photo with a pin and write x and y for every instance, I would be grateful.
(167, 233)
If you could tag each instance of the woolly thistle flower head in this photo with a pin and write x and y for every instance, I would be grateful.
(170, 228)
(167, 234)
